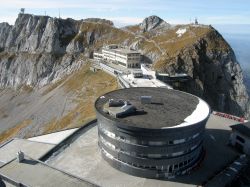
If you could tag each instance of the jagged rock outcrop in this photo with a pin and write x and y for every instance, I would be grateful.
(38, 50)
(40, 34)
(153, 22)
(5, 29)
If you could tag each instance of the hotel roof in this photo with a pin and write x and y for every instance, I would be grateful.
(122, 50)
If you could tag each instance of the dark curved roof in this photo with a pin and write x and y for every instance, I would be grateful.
(168, 107)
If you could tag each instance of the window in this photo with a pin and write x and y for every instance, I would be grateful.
(197, 134)
(179, 141)
(170, 142)
(242, 140)
(181, 164)
(177, 153)
(170, 169)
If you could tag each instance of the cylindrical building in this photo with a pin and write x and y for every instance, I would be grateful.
(151, 132)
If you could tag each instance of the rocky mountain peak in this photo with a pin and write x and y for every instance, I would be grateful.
(153, 22)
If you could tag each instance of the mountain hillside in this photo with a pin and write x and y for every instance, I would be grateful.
(42, 53)
(68, 103)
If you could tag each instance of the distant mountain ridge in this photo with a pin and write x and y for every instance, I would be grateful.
(40, 50)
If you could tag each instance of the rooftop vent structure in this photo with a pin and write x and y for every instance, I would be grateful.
(119, 108)
(20, 156)
(146, 99)
(115, 103)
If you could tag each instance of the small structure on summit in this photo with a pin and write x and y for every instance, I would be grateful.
(22, 10)
(119, 108)
(196, 21)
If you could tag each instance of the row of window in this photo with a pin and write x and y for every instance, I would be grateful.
(152, 143)
(121, 54)
(169, 168)
(133, 65)
(242, 140)
(182, 164)
(121, 57)
(134, 54)
(143, 155)
(135, 58)
(114, 54)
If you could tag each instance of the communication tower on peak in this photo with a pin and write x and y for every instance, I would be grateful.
(22, 10)
(196, 21)
(59, 12)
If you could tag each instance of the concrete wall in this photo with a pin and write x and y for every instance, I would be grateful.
(245, 145)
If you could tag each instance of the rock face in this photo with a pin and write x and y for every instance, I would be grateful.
(40, 34)
(39, 50)
(5, 29)
(153, 22)
(216, 75)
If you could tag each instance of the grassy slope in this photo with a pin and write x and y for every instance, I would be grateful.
(104, 34)
(83, 86)
(88, 86)
(12, 132)
(174, 45)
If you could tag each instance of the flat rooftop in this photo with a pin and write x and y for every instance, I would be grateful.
(148, 79)
(83, 158)
(53, 138)
(169, 107)
(34, 149)
(126, 51)
(33, 173)
(144, 81)
(118, 67)
(123, 51)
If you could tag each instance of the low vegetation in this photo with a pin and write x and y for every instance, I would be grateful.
(12, 132)
(88, 86)
(83, 87)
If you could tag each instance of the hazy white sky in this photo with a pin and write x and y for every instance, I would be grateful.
(124, 12)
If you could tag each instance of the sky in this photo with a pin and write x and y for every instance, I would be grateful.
(127, 12)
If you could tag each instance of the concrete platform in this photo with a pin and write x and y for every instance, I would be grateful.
(54, 138)
(30, 172)
(1, 163)
(34, 149)
(82, 158)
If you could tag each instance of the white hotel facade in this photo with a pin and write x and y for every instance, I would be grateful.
(125, 57)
